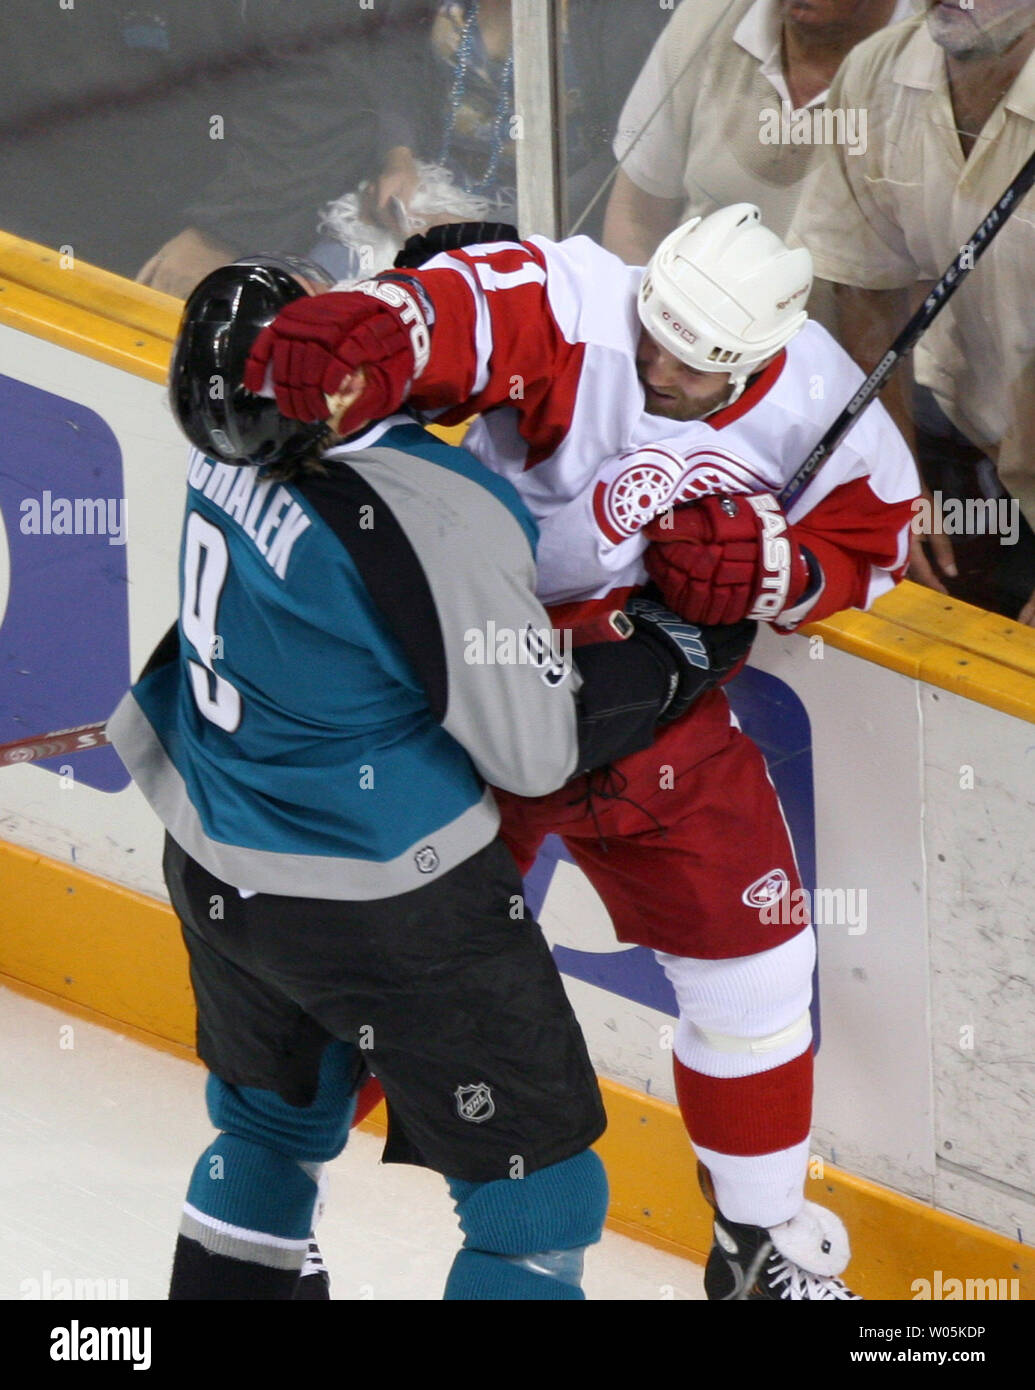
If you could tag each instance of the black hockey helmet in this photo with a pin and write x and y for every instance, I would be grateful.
(222, 318)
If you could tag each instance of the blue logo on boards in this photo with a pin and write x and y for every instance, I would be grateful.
(774, 717)
(64, 605)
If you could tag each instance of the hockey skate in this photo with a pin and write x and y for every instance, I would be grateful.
(799, 1259)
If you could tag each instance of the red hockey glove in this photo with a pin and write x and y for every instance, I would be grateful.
(315, 344)
(722, 559)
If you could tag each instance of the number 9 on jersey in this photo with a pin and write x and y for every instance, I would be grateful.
(206, 561)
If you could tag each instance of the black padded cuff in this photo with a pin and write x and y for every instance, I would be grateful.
(626, 686)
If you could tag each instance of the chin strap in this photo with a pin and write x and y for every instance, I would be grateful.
(737, 389)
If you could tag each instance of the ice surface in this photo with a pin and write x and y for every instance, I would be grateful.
(99, 1134)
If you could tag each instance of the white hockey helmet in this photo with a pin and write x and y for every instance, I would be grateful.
(724, 294)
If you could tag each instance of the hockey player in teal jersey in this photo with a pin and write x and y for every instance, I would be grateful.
(317, 734)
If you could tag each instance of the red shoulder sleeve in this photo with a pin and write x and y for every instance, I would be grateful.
(495, 339)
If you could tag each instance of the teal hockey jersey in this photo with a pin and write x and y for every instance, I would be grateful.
(358, 654)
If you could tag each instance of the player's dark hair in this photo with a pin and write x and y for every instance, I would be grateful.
(291, 470)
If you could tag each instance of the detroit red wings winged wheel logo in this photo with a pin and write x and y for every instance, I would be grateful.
(653, 480)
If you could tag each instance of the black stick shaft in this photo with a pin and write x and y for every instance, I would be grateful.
(913, 331)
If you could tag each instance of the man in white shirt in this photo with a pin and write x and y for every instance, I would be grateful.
(951, 97)
(742, 89)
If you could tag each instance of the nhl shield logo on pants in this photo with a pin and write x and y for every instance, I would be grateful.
(475, 1103)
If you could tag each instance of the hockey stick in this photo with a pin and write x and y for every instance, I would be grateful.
(594, 625)
(912, 333)
(32, 750)
(610, 625)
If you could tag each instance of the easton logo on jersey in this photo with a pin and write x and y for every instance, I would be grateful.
(766, 890)
(475, 1103)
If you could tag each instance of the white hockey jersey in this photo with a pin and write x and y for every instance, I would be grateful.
(540, 338)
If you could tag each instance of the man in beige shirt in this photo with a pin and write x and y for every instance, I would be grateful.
(951, 101)
(729, 108)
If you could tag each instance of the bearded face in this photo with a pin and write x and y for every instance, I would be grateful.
(980, 29)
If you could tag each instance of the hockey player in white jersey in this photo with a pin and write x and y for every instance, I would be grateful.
(650, 419)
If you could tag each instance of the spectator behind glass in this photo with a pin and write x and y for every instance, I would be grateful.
(951, 98)
(469, 123)
(105, 116)
(738, 85)
(202, 128)
(333, 90)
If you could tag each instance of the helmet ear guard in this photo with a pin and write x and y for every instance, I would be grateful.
(724, 294)
(222, 318)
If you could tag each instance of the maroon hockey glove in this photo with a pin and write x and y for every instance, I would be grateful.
(315, 344)
(722, 559)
